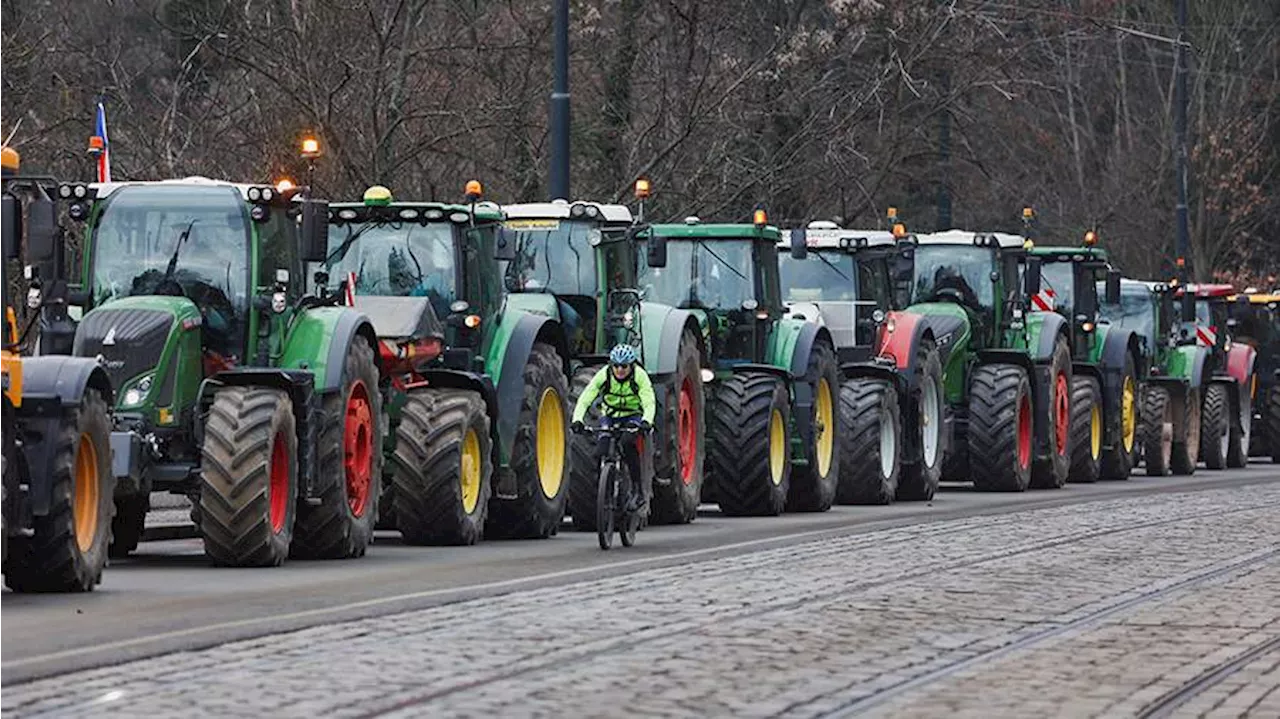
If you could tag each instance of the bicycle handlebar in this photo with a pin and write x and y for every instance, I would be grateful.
(615, 429)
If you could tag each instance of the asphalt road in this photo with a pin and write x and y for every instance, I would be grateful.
(167, 598)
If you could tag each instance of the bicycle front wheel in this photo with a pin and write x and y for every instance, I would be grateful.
(604, 506)
(630, 520)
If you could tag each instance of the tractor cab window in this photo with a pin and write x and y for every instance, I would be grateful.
(703, 274)
(874, 284)
(1059, 278)
(182, 240)
(396, 259)
(553, 256)
(278, 250)
(1213, 314)
(825, 276)
(1136, 312)
(954, 272)
(481, 286)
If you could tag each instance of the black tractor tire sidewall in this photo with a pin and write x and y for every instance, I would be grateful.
(738, 440)
(919, 481)
(1157, 419)
(1086, 395)
(1273, 424)
(810, 491)
(996, 392)
(867, 406)
(1239, 439)
(1117, 463)
(584, 470)
(128, 524)
(1186, 438)
(676, 502)
(1051, 473)
(1215, 425)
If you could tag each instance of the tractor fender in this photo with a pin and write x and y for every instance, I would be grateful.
(909, 329)
(674, 324)
(1240, 364)
(528, 329)
(471, 381)
(876, 370)
(51, 384)
(318, 342)
(1009, 356)
(1051, 327)
(1117, 345)
(810, 334)
(802, 393)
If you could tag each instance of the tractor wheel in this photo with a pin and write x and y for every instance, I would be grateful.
(813, 485)
(919, 478)
(1051, 473)
(584, 470)
(1001, 434)
(679, 474)
(748, 445)
(539, 455)
(1086, 430)
(249, 477)
(1119, 460)
(442, 467)
(349, 470)
(869, 446)
(1157, 431)
(68, 549)
(128, 524)
(1186, 442)
(1273, 424)
(1238, 443)
(386, 503)
(1215, 426)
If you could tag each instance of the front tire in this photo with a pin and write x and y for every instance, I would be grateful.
(1238, 442)
(1051, 472)
(918, 480)
(813, 484)
(1119, 460)
(1001, 434)
(1273, 424)
(1215, 426)
(349, 470)
(605, 510)
(442, 468)
(1186, 443)
(128, 525)
(749, 448)
(539, 455)
(1086, 430)
(68, 548)
(869, 446)
(1157, 431)
(679, 471)
(584, 468)
(249, 477)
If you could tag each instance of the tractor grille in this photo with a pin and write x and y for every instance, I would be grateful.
(137, 339)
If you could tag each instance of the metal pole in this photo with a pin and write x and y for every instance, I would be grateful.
(1183, 249)
(944, 157)
(560, 105)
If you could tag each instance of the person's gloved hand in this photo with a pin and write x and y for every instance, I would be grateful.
(645, 426)
(577, 427)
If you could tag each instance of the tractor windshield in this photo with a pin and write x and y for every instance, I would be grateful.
(957, 271)
(396, 259)
(703, 274)
(1136, 311)
(554, 256)
(185, 240)
(1057, 277)
(828, 275)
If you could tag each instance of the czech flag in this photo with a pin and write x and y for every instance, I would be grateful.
(99, 145)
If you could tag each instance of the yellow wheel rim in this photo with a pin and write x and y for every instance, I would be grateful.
(550, 435)
(777, 447)
(1095, 431)
(469, 472)
(85, 502)
(1128, 417)
(1253, 387)
(824, 437)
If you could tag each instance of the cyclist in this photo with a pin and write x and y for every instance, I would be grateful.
(626, 392)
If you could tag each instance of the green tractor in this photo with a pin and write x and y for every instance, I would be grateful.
(772, 422)
(1006, 370)
(57, 468)
(577, 263)
(234, 387)
(844, 280)
(1178, 373)
(475, 382)
(1109, 362)
(1227, 415)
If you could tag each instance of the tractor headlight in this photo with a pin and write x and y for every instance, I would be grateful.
(137, 393)
(707, 375)
(132, 397)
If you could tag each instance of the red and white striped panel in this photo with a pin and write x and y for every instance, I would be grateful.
(1044, 300)
(1206, 336)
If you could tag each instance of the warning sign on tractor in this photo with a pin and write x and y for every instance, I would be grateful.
(532, 224)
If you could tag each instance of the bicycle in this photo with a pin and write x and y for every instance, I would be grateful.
(612, 495)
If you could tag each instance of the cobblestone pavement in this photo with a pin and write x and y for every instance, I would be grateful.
(1103, 609)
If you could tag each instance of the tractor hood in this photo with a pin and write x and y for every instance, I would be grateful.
(950, 324)
(538, 303)
(398, 317)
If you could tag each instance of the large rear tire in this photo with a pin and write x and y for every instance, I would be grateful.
(349, 470)
(539, 455)
(128, 524)
(813, 484)
(1273, 424)
(584, 469)
(748, 444)
(249, 477)
(1215, 426)
(679, 461)
(1051, 472)
(68, 548)
(1186, 442)
(1001, 434)
(870, 449)
(1086, 430)
(442, 468)
(1157, 431)
(1238, 443)
(918, 480)
(1121, 457)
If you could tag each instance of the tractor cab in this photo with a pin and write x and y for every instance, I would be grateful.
(1070, 281)
(1213, 318)
(840, 279)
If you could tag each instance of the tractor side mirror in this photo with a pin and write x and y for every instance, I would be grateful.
(1188, 306)
(11, 217)
(42, 236)
(315, 230)
(1031, 277)
(656, 251)
(504, 247)
(799, 243)
(1112, 294)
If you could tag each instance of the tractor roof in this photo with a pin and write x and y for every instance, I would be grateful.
(1066, 253)
(101, 190)
(1259, 298)
(563, 210)
(483, 210)
(966, 237)
(830, 238)
(693, 229)
(1212, 291)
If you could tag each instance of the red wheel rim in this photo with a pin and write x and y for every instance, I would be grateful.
(1024, 432)
(687, 431)
(278, 490)
(1061, 412)
(357, 448)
